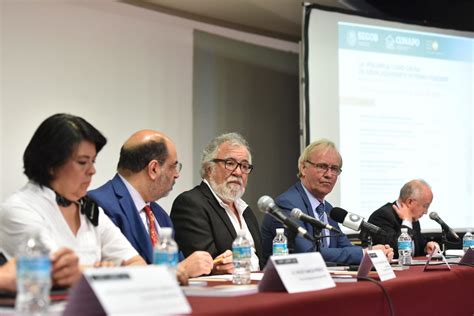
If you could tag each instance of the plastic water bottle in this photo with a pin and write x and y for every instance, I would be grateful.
(467, 241)
(404, 248)
(33, 277)
(280, 245)
(241, 253)
(166, 250)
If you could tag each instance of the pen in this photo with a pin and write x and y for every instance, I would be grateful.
(218, 260)
(222, 257)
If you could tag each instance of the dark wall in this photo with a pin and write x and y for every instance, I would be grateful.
(450, 14)
(252, 90)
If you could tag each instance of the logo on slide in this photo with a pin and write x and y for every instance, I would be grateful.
(390, 42)
(351, 38)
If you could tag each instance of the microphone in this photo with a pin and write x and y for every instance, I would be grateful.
(298, 214)
(266, 205)
(434, 216)
(353, 221)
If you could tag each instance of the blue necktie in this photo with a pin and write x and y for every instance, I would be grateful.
(320, 212)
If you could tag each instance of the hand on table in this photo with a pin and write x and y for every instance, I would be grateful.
(198, 263)
(386, 249)
(223, 263)
(65, 267)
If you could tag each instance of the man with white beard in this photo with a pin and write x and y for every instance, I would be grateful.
(208, 217)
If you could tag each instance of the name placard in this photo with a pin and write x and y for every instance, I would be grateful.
(430, 264)
(127, 290)
(468, 257)
(296, 273)
(377, 259)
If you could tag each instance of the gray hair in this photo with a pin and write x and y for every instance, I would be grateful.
(210, 151)
(322, 145)
(413, 189)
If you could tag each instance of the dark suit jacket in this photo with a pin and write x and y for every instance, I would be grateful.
(202, 224)
(387, 219)
(114, 198)
(3, 259)
(340, 249)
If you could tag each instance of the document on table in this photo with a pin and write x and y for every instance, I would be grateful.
(220, 290)
(255, 276)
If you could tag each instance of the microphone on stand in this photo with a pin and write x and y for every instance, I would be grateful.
(266, 205)
(434, 216)
(353, 221)
(298, 214)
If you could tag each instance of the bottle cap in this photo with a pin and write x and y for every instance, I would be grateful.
(165, 232)
(241, 233)
(404, 230)
(280, 230)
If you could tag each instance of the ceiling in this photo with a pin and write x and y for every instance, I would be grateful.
(282, 18)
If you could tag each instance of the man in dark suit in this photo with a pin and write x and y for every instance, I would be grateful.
(319, 167)
(208, 216)
(414, 200)
(147, 170)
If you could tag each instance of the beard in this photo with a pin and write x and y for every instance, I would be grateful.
(227, 191)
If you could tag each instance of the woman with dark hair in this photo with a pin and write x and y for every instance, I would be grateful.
(59, 163)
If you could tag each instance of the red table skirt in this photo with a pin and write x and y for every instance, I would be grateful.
(412, 292)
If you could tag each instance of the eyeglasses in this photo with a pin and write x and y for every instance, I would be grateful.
(178, 166)
(231, 164)
(324, 167)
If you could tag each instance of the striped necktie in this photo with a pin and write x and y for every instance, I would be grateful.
(324, 232)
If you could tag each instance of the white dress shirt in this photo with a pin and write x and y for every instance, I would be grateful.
(140, 203)
(34, 209)
(240, 205)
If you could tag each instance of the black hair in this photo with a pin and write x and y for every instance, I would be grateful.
(136, 158)
(53, 143)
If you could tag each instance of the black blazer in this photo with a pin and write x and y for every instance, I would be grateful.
(387, 219)
(202, 224)
(3, 259)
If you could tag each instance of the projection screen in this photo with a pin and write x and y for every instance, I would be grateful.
(397, 99)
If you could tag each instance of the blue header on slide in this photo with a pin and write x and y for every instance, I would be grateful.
(395, 41)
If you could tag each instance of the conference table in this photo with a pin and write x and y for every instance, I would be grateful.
(437, 291)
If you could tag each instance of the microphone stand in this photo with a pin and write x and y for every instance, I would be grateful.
(317, 239)
(292, 235)
(444, 240)
(369, 241)
(291, 241)
(366, 239)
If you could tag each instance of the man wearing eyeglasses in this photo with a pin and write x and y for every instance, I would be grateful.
(208, 216)
(413, 202)
(147, 170)
(319, 167)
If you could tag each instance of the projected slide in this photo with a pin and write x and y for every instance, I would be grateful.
(398, 101)
(405, 111)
